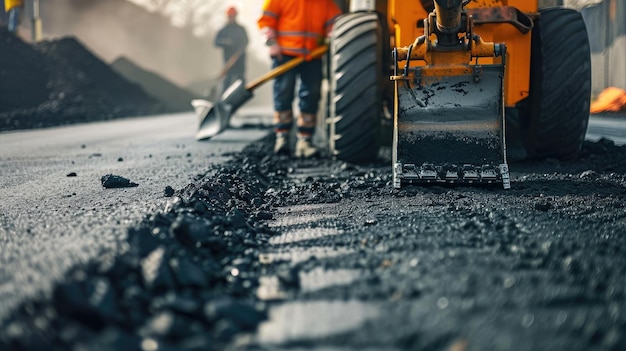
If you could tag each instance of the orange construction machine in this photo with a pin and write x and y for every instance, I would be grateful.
(459, 87)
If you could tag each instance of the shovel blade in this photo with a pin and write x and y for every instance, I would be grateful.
(215, 117)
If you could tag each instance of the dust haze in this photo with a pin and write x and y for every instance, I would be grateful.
(173, 38)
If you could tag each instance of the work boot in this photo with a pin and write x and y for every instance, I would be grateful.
(283, 121)
(305, 149)
(306, 128)
(281, 146)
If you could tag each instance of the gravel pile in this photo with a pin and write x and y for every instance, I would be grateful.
(61, 82)
(174, 98)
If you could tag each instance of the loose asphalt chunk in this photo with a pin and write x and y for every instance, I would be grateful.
(114, 181)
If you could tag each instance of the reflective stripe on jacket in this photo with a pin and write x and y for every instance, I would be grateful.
(300, 25)
(9, 4)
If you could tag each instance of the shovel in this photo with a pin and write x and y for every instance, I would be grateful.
(216, 82)
(215, 117)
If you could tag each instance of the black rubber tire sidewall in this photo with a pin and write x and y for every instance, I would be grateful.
(560, 85)
(355, 77)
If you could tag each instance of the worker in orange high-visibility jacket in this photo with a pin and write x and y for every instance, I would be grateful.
(14, 8)
(294, 28)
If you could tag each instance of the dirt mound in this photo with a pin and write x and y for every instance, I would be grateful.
(19, 90)
(62, 82)
(175, 98)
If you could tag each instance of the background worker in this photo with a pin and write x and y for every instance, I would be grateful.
(233, 39)
(294, 28)
(14, 8)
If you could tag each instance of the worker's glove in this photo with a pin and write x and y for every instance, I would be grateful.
(268, 33)
(275, 51)
(270, 41)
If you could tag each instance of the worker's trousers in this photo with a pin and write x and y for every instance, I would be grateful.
(309, 78)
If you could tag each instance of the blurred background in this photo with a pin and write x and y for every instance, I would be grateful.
(174, 38)
(171, 37)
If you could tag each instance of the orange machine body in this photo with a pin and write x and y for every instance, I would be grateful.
(405, 26)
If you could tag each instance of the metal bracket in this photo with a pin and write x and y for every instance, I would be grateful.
(397, 175)
(478, 73)
(504, 172)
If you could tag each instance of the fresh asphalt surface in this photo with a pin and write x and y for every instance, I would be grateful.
(607, 127)
(49, 221)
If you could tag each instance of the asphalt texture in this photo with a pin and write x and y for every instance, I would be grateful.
(56, 212)
(272, 253)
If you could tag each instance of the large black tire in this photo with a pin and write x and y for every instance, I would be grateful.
(560, 85)
(356, 84)
(428, 5)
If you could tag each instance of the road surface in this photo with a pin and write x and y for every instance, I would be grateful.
(50, 221)
(607, 127)
(351, 264)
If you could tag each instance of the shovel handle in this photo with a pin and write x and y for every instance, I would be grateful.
(230, 63)
(317, 53)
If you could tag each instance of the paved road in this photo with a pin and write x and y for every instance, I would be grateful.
(49, 221)
(610, 128)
